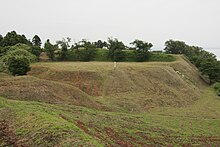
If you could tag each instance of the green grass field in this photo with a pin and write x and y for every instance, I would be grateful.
(139, 104)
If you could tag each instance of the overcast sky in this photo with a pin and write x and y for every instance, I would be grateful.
(197, 22)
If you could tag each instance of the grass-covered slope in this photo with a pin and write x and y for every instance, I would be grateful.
(90, 104)
(29, 88)
(41, 124)
(132, 86)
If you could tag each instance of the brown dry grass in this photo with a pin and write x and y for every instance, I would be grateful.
(29, 88)
(132, 86)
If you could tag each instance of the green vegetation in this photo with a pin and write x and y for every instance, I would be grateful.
(64, 48)
(160, 103)
(112, 50)
(101, 55)
(217, 88)
(18, 61)
(115, 49)
(47, 108)
(12, 38)
(50, 49)
(205, 61)
(18, 65)
(36, 41)
(141, 50)
(19, 52)
(49, 125)
(129, 56)
(161, 57)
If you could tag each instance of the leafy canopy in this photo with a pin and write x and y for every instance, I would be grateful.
(115, 49)
(12, 38)
(142, 49)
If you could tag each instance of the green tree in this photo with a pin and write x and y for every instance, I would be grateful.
(142, 49)
(12, 38)
(50, 49)
(175, 47)
(36, 41)
(85, 50)
(3, 50)
(64, 48)
(205, 61)
(36, 50)
(211, 68)
(197, 55)
(116, 49)
(100, 44)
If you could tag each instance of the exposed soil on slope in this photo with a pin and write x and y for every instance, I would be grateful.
(33, 89)
(134, 86)
(87, 81)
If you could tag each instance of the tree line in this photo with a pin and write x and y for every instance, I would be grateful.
(83, 49)
(17, 50)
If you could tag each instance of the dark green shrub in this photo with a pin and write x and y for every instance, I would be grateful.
(18, 61)
(18, 65)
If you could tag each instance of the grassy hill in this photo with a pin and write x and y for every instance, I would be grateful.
(91, 104)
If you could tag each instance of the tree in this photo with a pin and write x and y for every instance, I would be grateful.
(203, 56)
(116, 49)
(12, 38)
(36, 41)
(49, 48)
(18, 65)
(175, 47)
(211, 68)
(100, 44)
(36, 50)
(142, 49)
(89, 51)
(64, 48)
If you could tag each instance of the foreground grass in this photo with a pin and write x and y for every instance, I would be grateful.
(42, 124)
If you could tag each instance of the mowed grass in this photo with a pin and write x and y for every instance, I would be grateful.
(139, 104)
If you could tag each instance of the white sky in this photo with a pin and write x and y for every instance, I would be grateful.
(197, 22)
